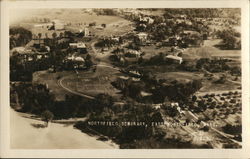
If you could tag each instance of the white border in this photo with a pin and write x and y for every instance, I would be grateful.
(146, 153)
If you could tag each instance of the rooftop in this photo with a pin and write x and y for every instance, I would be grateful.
(78, 45)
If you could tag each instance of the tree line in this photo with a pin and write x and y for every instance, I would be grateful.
(19, 36)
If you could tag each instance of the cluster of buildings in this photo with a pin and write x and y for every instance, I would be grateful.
(29, 54)
(146, 19)
(79, 47)
(50, 35)
(175, 55)
(143, 37)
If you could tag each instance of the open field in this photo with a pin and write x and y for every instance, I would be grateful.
(151, 51)
(116, 28)
(179, 76)
(77, 18)
(90, 85)
(93, 84)
(44, 77)
(211, 87)
(208, 50)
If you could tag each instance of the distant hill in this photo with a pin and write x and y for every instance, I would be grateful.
(206, 12)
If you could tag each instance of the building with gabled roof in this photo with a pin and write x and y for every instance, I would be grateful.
(174, 58)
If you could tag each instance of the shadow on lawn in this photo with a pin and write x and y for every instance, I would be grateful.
(38, 125)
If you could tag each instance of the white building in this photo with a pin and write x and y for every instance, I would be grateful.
(75, 58)
(175, 58)
(86, 32)
(142, 36)
(134, 52)
(147, 20)
(79, 45)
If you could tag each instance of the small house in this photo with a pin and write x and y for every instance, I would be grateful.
(173, 58)
(142, 36)
(79, 47)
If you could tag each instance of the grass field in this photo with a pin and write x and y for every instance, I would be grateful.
(90, 86)
(88, 82)
(179, 76)
(208, 50)
(151, 51)
(44, 77)
(208, 86)
(93, 84)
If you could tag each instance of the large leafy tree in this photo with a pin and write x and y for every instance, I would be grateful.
(47, 116)
(19, 36)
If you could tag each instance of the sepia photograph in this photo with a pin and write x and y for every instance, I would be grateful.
(125, 78)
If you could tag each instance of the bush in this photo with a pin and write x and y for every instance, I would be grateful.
(19, 36)
(224, 94)
(209, 100)
(233, 101)
(234, 130)
(212, 95)
(205, 128)
(47, 116)
(206, 96)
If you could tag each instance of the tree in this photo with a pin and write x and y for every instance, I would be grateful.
(104, 25)
(39, 35)
(229, 39)
(19, 36)
(54, 35)
(61, 35)
(104, 100)
(194, 98)
(88, 61)
(47, 116)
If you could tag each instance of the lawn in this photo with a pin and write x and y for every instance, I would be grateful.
(93, 84)
(90, 86)
(179, 76)
(88, 83)
(151, 51)
(51, 79)
(209, 86)
(208, 50)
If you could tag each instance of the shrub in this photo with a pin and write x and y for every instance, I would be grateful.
(233, 101)
(231, 129)
(224, 94)
(209, 100)
(206, 96)
(47, 116)
(222, 98)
